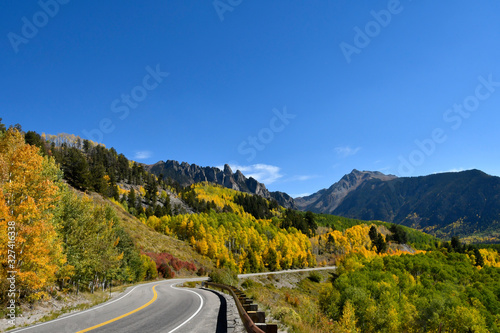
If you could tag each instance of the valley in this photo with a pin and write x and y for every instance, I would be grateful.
(103, 221)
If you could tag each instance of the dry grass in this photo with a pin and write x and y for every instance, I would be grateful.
(149, 240)
(293, 300)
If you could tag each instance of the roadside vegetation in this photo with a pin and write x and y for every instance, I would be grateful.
(291, 299)
(67, 233)
(58, 241)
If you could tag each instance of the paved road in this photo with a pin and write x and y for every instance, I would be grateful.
(241, 276)
(150, 308)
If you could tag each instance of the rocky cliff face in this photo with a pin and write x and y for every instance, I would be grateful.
(187, 174)
(327, 200)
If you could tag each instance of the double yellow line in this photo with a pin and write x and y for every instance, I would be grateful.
(124, 315)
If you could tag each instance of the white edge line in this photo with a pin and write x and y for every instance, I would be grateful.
(82, 312)
(199, 309)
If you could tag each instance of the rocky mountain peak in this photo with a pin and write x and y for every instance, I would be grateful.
(187, 174)
(327, 200)
(227, 169)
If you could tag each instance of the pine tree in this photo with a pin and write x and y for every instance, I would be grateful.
(76, 169)
(2, 127)
(373, 233)
(479, 257)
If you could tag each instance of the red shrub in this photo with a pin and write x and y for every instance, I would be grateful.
(167, 264)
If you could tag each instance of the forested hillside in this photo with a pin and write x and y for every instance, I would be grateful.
(57, 235)
(78, 216)
(70, 239)
(439, 291)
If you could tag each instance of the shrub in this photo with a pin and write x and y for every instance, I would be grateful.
(315, 277)
(282, 312)
(247, 284)
(224, 276)
(292, 300)
(167, 264)
(201, 271)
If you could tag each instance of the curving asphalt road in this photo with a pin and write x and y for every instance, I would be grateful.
(149, 308)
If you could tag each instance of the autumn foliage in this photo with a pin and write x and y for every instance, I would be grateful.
(234, 238)
(29, 191)
(167, 265)
(55, 234)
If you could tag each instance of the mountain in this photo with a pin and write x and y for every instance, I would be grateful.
(187, 174)
(327, 200)
(456, 203)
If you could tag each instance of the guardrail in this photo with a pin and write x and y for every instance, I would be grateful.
(253, 320)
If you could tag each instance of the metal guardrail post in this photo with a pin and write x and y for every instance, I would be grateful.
(250, 326)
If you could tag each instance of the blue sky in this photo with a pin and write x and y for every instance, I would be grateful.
(296, 93)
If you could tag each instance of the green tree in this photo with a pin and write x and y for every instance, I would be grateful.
(311, 222)
(76, 169)
(90, 242)
(479, 257)
(399, 235)
(131, 201)
(98, 181)
(373, 233)
(380, 244)
(2, 127)
(347, 322)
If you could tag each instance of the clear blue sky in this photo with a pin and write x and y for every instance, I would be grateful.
(296, 92)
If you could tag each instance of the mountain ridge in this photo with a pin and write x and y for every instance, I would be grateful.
(187, 174)
(465, 203)
(327, 200)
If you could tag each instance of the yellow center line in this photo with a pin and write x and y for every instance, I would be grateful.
(124, 315)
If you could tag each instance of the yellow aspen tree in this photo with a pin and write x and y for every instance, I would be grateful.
(202, 247)
(29, 192)
(347, 322)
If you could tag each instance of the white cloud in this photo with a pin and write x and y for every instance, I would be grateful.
(451, 170)
(295, 196)
(264, 173)
(141, 155)
(346, 151)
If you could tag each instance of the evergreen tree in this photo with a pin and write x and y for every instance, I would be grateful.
(380, 243)
(479, 257)
(34, 139)
(455, 244)
(76, 169)
(398, 234)
(2, 127)
(98, 181)
(311, 223)
(373, 233)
